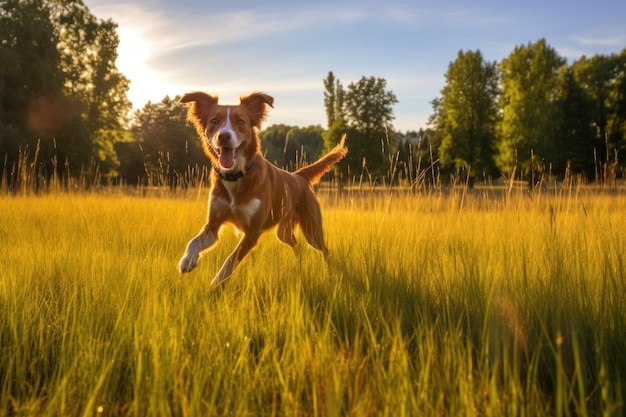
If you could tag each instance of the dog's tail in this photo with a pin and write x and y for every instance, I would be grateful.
(312, 173)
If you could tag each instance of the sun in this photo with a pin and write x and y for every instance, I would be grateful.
(134, 53)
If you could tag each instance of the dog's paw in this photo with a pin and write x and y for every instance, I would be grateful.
(187, 263)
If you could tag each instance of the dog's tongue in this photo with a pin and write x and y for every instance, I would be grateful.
(227, 157)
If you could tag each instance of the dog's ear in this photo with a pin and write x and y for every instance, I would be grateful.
(200, 108)
(256, 105)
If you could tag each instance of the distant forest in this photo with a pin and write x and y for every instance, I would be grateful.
(64, 112)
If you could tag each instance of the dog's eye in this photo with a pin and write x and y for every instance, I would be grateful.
(213, 121)
(241, 122)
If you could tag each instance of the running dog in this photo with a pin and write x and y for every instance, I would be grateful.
(247, 191)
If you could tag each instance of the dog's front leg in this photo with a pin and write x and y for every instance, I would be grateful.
(247, 242)
(202, 241)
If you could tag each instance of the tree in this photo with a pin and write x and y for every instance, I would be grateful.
(332, 136)
(304, 145)
(35, 117)
(165, 148)
(369, 106)
(618, 98)
(368, 111)
(333, 102)
(577, 133)
(333, 99)
(530, 114)
(273, 140)
(30, 59)
(364, 112)
(603, 79)
(416, 158)
(468, 114)
(291, 146)
(330, 98)
(59, 88)
(88, 49)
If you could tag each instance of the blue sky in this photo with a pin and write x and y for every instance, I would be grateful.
(286, 48)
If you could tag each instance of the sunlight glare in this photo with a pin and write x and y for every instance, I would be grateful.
(134, 51)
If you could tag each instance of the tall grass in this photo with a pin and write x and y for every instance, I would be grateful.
(429, 305)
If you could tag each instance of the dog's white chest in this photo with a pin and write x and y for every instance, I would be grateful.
(248, 209)
(244, 212)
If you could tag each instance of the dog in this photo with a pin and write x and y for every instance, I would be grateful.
(247, 191)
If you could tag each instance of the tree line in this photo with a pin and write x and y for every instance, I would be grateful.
(64, 110)
(61, 94)
(532, 114)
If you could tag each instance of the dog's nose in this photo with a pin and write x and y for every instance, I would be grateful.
(224, 138)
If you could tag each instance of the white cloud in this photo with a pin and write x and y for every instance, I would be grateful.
(608, 41)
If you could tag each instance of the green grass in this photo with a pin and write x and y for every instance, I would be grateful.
(431, 306)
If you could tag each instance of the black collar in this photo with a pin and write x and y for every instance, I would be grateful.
(233, 176)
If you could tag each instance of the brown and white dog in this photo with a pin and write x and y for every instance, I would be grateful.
(246, 190)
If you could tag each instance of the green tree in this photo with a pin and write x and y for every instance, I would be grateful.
(334, 94)
(332, 136)
(577, 133)
(290, 146)
(618, 98)
(88, 48)
(468, 114)
(434, 120)
(273, 139)
(530, 114)
(603, 78)
(366, 116)
(59, 89)
(304, 145)
(165, 148)
(369, 106)
(35, 117)
(416, 158)
(330, 97)
(333, 99)
(30, 60)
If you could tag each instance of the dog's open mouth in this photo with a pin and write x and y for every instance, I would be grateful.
(227, 156)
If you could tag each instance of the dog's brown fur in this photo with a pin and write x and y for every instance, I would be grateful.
(246, 190)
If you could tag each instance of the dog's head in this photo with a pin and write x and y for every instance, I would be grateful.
(228, 132)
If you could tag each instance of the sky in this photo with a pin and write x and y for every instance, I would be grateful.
(287, 47)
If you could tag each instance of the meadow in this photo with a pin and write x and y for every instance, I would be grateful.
(440, 304)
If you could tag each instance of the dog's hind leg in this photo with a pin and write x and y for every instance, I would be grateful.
(284, 232)
(311, 225)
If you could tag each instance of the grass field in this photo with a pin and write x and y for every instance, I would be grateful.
(457, 305)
